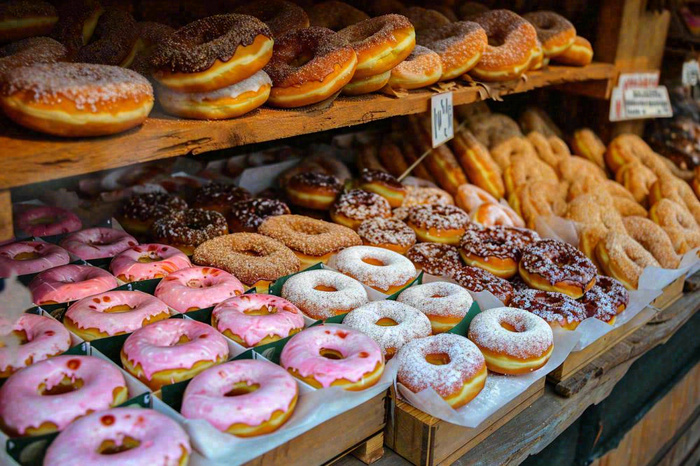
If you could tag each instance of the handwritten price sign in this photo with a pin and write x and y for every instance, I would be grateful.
(442, 118)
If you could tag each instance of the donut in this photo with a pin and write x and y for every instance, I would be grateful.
(449, 364)
(76, 99)
(187, 229)
(321, 294)
(148, 261)
(477, 280)
(445, 304)
(32, 51)
(384, 184)
(495, 249)
(579, 54)
(426, 195)
(328, 356)
(459, 45)
(421, 68)
(381, 269)
(494, 129)
(355, 206)
(47, 221)
(678, 224)
(70, 282)
(555, 32)
(654, 239)
(435, 258)
(424, 18)
(469, 197)
(335, 15)
(637, 179)
(172, 350)
(279, 15)
(20, 19)
(388, 233)
(255, 260)
(196, 288)
(538, 60)
(139, 435)
(139, 212)
(25, 257)
(513, 341)
(219, 197)
(556, 308)
(670, 188)
(223, 395)
(361, 86)
(606, 299)
(97, 243)
(212, 53)
(390, 323)
(312, 240)
(327, 64)
(481, 169)
(587, 144)
(550, 149)
(437, 223)
(490, 215)
(535, 119)
(77, 21)
(313, 190)
(47, 396)
(553, 265)
(318, 163)
(150, 35)
(114, 40)
(515, 40)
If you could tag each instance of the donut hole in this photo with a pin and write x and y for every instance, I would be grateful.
(510, 327)
(252, 251)
(26, 256)
(242, 388)
(110, 447)
(496, 41)
(66, 385)
(326, 288)
(261, 311)
(194, 283)
(14, 338)
(373, 261)
(149, 257)
(438, 359)
(386, 322)
(331, 354)
(119, 308)
(184, 339)
(43, 220)
(301, 59)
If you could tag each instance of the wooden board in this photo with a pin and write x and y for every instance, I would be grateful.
(671, 294)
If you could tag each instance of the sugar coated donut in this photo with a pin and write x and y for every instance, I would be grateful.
(355, 206)
(623, 258)
(25, 257)
(196, 288)
(385, 271)
(579, 54)
(449, 364)
(587, 144)
(445, 304)
(384, 184)
(388, 233)
(321, 294)
(224, 394)
(435, 258)
(459, 45)
(436, 223)
(248, 215)
(556, 308)
(555, 32)
(678, 223)
(335, 15)
(148, 261)
(212, 53)
(97, 243)
(476, 279)
(76, 99)
(606, 299)
(360, 86)
(124, 437)
(312, 190)
(20, 19)
(30, 51)
(69, 282)
(47, 396)
(280, 16)
(114, 40)
(654, 239)
(495, 249)
(257, 319)
(187, 229)
(47, 221)
(39, 338)
(172, 350)
(421, 68)
(139, 212)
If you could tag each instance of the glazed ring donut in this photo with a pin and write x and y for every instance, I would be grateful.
(255, 383)
(555, 308)
(421, 68)
(196, 288)
(32, 51)
(622, 258)
(607, 297)
(495, 249)
(313, 190)
(335, 15)
(490, 215)
(383, 270)
(445, 304)
(388, 233)
(20, 19)
(449, 364)
(279, 15)
(654, 239)
(172, 350)
(355, 206)
(587, 144)
(247, 216)
(513, 341)
(367, 85)
(677, 223)
(187, 229)
(384, 184)
(435, 258)
(477, 280)
(47, 396)
(76, 99)
(25, 257)
(139, 212)
(579, 54)
(438, 223)
(389, 323)
(255, 260)
(460, 46)
(97, 243)
(148, 261)
(321, 294)
(328, 356)
(47, 221)
(219, 197)
(212, 53)
(517, 39)
(555, 32)
(469, 197)
(68, 283)
(113, 42)
(328, 64)
(481, 169)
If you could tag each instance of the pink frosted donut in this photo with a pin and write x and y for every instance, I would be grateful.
(40, 337)
(49, 395)
(25, 257)
(329, 355)
(70, 282)
(97, 243)
(445, 304)
(148, 261)
(196, 288)
(140, 436)
(113, 313)
(257, 319)
(47, 221)
(172, 350)
(266, 397)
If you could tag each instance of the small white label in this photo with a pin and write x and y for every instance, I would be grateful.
(442, 119)
(637, 80)
(648, 103)
(691, 72)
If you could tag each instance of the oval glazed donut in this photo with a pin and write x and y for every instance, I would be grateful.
(69, 282)
(555, 32)
(25, 257)
(97, 243)
(460, 46)
(20, 19)
(579, 54)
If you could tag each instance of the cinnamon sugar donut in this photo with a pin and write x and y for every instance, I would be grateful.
(438, 223)
(248, 215)
(460, 46)
(554, 307)
(622, 258)
(388, 233)
(495, 249)
(555, 32)
(477, 280)
(29, 52)
(279, 15)
(355, 206)
(20, 19)
(187, 229)
(678, 223)
(671, 188)
(383, 270)
(445, 304)
(335, 15)
(435, 258)
(321, 294)
(654, 239)
(421, 68)
(113, 42)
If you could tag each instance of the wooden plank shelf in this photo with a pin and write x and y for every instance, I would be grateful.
(31, 157)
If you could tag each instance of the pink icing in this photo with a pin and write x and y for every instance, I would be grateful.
(46, 337)
(127, 266)
(69, 283)
(49, 256)
(89, 313)
(205, 396)
(22, 406)
(231, 315)
(98, 243)
(162, 440)
(156, 347)
(197, 288)
(48, 221)
(360, 354)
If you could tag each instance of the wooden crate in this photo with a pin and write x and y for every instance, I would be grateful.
(671, 294)
(426, 440)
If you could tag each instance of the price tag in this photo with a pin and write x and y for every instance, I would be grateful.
(442, 118)
(690, 73)
(637, 96)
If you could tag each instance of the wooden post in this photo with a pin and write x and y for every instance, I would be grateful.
(6, 230)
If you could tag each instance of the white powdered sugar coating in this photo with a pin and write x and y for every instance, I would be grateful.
(438, 299)
(251, 84)
(395, 271)
(301, 291)
(532, 336)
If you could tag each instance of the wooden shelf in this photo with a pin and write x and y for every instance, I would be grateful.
(30, 157)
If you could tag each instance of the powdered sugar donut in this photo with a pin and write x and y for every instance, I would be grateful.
(390, 323)
(69, 282)
(445, 304)
(97, 243)
(513, 341)
(196, 288)
(420, 69)
(113, 313)
(39, 338)
(172, 350)
(449, 364)
(329, 355)
(47, 221)
(384, 270)
(257, 319)
(321, 294)
(148, 261)
(25, 257)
